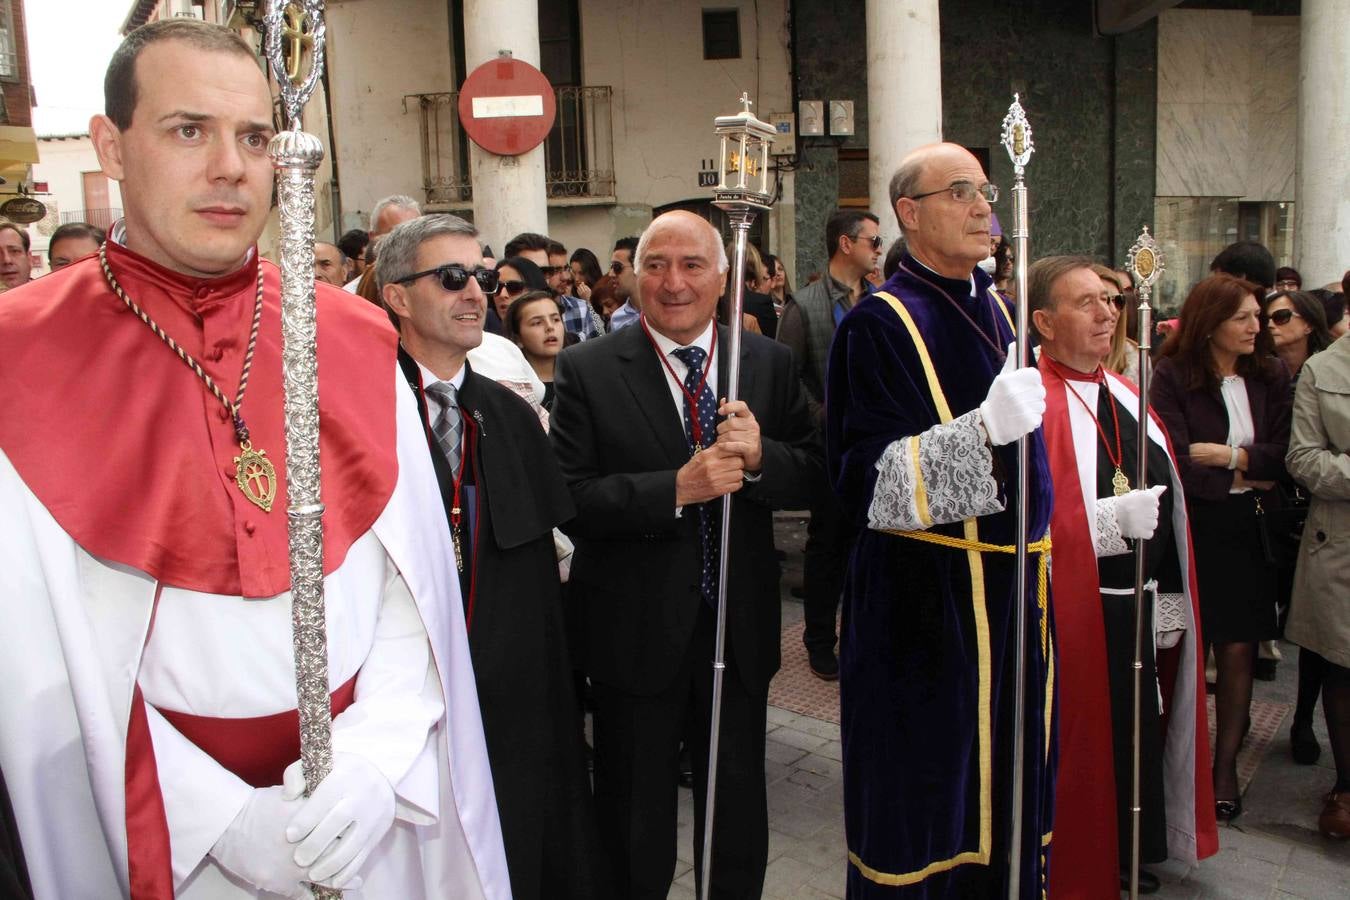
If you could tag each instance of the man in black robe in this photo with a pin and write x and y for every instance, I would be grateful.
(503, 496)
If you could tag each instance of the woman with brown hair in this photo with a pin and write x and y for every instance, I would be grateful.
(1225, 401)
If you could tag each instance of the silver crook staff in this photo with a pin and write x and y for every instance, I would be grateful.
(742, 192)
(1145, 266)
(1016, 140)
(296, 156)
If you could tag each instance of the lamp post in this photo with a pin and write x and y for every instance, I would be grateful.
(742, 192)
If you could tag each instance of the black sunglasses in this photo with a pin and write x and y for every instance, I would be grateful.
(874, 240)
(511, 287)
(1117, 299)
(1281, 316)
(617, 266)
(455, 277)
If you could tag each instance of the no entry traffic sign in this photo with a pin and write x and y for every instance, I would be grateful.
(507, 106)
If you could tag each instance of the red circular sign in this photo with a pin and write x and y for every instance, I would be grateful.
(507, 106)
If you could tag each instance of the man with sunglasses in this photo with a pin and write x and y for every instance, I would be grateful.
(503, 495)
(923, 409)
(853, 241)
(625, 277)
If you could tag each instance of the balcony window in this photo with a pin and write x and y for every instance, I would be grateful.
(9, 57)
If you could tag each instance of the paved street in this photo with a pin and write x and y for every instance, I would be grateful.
(1273, 851)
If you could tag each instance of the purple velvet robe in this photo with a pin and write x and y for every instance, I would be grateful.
(927, 642)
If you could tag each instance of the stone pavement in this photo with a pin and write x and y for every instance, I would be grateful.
(1272, 851)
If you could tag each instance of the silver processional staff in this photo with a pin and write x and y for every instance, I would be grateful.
(742, 192)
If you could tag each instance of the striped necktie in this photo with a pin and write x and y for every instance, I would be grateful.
(449, 425)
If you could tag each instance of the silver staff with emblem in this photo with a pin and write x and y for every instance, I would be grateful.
(1146, 264)
(1016, 139)
(742, 192)
(296, 156)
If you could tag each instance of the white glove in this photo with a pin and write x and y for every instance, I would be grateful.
(1137, 512)
(354, 803)
(255, 848)
(1015, 402)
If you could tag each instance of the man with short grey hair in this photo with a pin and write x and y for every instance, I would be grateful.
(923, 409)
(503, 495)
(649, 454)
(384, 216)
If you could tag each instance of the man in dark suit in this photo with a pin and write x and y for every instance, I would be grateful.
(648, 455)
(503, 496)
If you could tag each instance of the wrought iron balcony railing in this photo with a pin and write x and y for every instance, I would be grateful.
(578, 152)
(103, 218)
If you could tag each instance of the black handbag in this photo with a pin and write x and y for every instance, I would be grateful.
(1280, 527)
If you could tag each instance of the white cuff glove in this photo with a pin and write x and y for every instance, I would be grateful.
(1137, 512)
(1015, 403)
(255, 848)
(354, 803)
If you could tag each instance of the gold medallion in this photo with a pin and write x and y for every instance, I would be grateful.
(255, 475)
(1120, 482)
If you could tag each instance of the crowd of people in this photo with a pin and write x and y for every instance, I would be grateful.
(524, 463)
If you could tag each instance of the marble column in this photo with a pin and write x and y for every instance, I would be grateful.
(1322, 192)
(904, 93)
(508, 191)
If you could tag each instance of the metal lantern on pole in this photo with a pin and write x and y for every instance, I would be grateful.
(1146, 264)
(296, 156)
(742, 193)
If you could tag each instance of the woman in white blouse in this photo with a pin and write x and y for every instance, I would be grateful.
(1225, 401)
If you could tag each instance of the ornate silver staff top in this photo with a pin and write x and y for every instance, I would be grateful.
(1146, 264)
(1016, 137)
(300, 24)
(296, 156)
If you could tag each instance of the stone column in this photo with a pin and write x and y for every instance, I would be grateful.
(508, 191)
(904, 93)
(1322, 193)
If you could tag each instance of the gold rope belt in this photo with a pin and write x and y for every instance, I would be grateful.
(1041, 547)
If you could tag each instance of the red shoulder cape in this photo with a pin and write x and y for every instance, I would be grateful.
(134, 457)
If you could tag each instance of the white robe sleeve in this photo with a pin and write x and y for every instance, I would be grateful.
(201, 797)
(1108, 538)
(398, 700)
(943, 475)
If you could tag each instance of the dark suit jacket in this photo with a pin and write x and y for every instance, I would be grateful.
(1198, 416)
(619, 441)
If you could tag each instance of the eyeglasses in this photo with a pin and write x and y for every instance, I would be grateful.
(455, 277)
(550, 271)
(1117, 299)
(1286, 285)
(1282, 316)
(965, 192)
(512, 287)
(874, 240)
(617, 266)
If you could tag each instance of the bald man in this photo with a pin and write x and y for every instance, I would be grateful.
(923, 411)
(648, 454)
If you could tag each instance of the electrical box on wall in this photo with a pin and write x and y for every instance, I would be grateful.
(785, 141)
(841, 118)
(811, 115)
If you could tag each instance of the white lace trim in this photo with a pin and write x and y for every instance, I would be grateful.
(1110, 541)
(943, 475)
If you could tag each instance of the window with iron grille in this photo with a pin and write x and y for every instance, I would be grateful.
(9, 57)
(721, 34)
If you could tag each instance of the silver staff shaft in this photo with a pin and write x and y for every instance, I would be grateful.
(296, 156)
(1017, 141)
(740, 225)
(1145, 265)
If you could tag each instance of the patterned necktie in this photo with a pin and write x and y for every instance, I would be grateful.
(710, 513)
(449, 425)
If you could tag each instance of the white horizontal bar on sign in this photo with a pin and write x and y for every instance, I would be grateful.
(507, 107)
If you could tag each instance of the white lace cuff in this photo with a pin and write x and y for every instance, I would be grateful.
(1110, 542)
(943, 475)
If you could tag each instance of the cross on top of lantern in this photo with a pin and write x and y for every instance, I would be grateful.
(743, 167)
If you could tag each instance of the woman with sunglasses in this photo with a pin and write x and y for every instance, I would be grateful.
(1124, 356)
(1297, 325)
(515, 276)
(1225, 402)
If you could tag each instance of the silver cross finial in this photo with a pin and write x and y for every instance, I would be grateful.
(745, 100)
